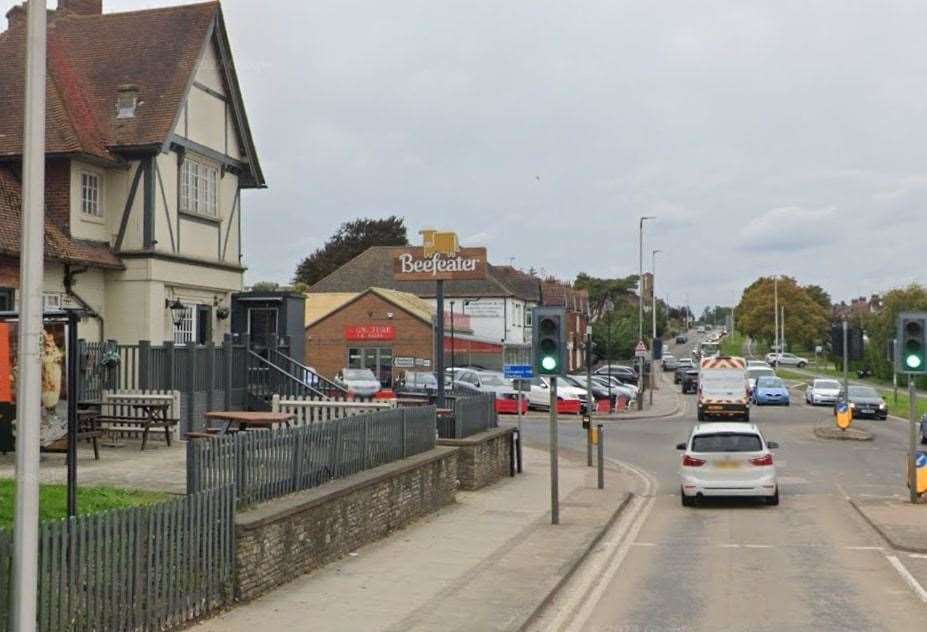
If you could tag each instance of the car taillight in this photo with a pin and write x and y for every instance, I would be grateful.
(688, 461)
(763, 460)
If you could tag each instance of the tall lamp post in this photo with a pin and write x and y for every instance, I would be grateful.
(653, 308)
(453, 358)
(640, 305)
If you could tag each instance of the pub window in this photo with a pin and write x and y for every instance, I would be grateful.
(186, 326)
(7, 299)
(90, 195)
(199, 187)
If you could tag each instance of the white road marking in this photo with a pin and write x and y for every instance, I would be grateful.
(729, 546)
(908, 577)
(917, 556)
(575, 613)
(758, 546)
(643, 544)
(864, 548)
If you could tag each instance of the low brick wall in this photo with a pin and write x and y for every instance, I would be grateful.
(282, 539)
(484, 458)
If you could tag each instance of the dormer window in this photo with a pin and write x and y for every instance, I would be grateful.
(126, 101)
(90, 195)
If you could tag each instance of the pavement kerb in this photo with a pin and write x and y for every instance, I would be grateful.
(576, 563)
(885, 536)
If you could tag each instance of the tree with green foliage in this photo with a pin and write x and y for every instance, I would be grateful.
(817, 294)
(606, 294)
(807, 320)
(351, 239)
(880, 326)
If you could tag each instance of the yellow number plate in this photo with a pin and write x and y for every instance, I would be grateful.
(727, 465)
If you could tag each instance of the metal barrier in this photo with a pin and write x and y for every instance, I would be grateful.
(472, 415)
(268, 464)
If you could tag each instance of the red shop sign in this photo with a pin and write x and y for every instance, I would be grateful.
(370, 332)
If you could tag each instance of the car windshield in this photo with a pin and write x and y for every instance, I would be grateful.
(492, 379)
(359, 375)
(727, 442)
(827, 384)
(863, 392)
(770, 382)
(425, 379)
(758, 373)
(571, 381)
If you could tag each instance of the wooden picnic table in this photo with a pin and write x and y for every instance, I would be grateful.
(152, 414)
(248, 419)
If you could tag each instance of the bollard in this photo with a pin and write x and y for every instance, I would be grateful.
(518, 452)
(601, 456)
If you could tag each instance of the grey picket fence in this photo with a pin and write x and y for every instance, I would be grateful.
(142, 569)
(269, 464)
(472, 415)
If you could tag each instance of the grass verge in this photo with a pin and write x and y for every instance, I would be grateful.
(53, 500)
(733, 344)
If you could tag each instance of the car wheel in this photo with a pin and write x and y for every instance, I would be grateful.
(686, 500)
(801, 365)
(773, 500)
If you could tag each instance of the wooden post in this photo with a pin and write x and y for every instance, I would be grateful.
(227, 367)
(190, 386)
(210, 373)
(144, 365)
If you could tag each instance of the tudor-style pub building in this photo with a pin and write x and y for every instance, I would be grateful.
(148, 152)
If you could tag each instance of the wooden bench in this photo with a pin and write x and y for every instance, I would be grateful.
(126, 424)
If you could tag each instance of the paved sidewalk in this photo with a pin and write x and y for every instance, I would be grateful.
(902, 524)
(486, 563)
(158, 468)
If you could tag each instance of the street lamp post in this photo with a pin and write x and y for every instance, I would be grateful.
(453, 357)
(653, 340)
(640, 305)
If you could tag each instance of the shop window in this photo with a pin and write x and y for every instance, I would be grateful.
(7, 299)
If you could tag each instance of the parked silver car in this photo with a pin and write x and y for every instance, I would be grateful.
(786, 359)
(358, 381)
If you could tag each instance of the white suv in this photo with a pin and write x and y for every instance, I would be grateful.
(727, 459)
(786, 359)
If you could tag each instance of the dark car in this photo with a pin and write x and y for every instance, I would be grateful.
(865, 401)
(682, 339)
(623, 373)
(690, 381)
(684, 364)
(417, 383)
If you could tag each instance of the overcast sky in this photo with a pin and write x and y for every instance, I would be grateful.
(768, 137)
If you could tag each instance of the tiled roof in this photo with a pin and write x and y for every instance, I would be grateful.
(89, 58)
(374, 268)
(327, 303)
(58, 246)
(557, 293)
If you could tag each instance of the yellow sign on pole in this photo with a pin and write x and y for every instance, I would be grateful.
(920, 462)
(844, 416)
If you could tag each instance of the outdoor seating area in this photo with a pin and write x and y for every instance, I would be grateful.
(118, 416)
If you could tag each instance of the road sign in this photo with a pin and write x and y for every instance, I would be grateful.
(844, 416)
(518, 371)
(920, 462)
(641, 349)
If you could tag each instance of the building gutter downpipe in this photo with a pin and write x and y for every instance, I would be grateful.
(69, 274)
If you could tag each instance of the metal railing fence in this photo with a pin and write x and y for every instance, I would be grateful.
(269, 464)
(472, 415)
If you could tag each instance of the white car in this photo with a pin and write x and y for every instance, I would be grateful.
(539, 396)
(823, 392)
(358, 382)
(483, 381)
(786, 359)
(727, 459)
(669, 362)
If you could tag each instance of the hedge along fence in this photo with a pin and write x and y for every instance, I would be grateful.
(271, 463)
(146, 568)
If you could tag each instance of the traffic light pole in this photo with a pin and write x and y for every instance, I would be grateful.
(846, 363)
(554, 451)
(912, 448)
(590, 406)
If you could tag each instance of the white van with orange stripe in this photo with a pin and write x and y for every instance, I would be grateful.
(723, 389)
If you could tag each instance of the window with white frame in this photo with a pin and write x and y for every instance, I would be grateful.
(51, 301)
(185, 328)
(90, 195)
(199, 187)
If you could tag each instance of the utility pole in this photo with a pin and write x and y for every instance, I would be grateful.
(776, 349)
(31, 327)
(589, 399)
(912, 444)
(846, 362)
(782, 326)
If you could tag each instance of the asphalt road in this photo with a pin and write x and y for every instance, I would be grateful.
(811, 563)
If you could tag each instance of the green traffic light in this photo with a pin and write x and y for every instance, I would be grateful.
(548, 363)
(913, 361)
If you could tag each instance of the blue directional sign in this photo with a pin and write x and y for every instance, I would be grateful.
(518, 371)
(921, 460)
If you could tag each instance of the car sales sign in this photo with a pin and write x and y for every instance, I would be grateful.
(440, 258)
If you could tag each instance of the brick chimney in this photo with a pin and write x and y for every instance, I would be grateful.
(16, 17)
(81, 7)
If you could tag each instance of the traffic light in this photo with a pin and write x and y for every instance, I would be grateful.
(912, 346)
(549, 340)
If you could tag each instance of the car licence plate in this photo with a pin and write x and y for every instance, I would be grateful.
(727, 465)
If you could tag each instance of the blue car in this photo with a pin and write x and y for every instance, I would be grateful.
(770, 390)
